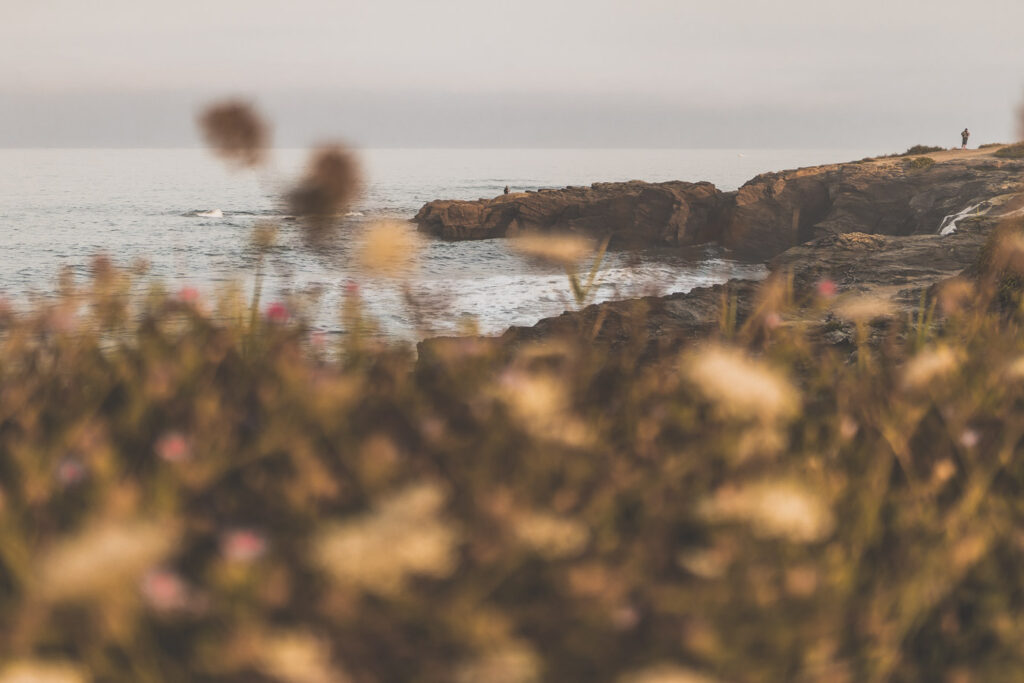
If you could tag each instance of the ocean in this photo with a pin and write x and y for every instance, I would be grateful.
(190, 218)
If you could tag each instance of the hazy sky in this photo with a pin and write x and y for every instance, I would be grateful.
(748, 73)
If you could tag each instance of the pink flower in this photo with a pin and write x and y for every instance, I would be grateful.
(827, 288)
(173, 447)
(352, 288)
(188, 295)
(242, 545)
(969, 438)
(164, 590)
(277, 313)
(70, 471)
(772, 320)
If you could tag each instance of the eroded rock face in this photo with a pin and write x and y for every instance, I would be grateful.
(766, 216)
(634, 213)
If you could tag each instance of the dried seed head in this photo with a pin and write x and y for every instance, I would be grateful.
(264, 235)
(102, 558)
(42, 671)
(331, 183)
(388, 248)
(298, 657)
(956, 295)
(929, 366)
(741, 386)
(863, 309)
(550, 536)
(235, 132)
(514, 662)
(563, 250)
(1009, 252)
(773, 508)
(666, 673)
(404, 535)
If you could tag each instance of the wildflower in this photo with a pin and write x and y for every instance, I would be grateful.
(70, 471)
(264, 234)
(514, 662)
(242, 545)
(164, 590)
(956, 295)
(173, 447)
(403, 535)
(330, 184)
(352, 288)
(969, 438)
(740, 386)
(666, 673)
(1009, 252)
(801, 581)
(278, 313)
(103, 557)
(707, 564)
(863, 309)
(1015, 370)
(235, 132)
(774, 508)
(773, 321)
(827, 288)
(549, 535)
(848, 427)
(298, 657)
(943, 471)
(563, 250)
(42, 671)
(388, 248)
(533, 397)
(929, 366)
(541, 405)
(188, 295)
(102, 269)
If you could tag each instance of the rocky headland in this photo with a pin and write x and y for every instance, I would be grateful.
(889, 228)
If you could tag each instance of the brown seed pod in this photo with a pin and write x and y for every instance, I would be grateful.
(235, 132)
(329, 186)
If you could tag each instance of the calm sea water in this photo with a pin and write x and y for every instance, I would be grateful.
(59, 207)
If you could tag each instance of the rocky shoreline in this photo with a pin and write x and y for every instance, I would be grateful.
(889, 228)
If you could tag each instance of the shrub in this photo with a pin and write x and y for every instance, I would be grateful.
(919, 163)
(188, 495)
(1015, 151)
(922, 149)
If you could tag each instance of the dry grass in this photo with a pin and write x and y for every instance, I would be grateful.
(197, 491)
(186, 499)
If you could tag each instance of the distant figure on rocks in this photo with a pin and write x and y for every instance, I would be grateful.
(963, 137)
(506, 189)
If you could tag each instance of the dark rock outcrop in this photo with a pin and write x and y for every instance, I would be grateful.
(635, 212)
(763, 218)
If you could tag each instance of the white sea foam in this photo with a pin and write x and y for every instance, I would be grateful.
(948, 224)
(59, 207)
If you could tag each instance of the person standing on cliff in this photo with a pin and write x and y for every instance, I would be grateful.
(506, 189)
(963, 137)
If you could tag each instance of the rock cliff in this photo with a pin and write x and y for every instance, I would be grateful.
(767, 215)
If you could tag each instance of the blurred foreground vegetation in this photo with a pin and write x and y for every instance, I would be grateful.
(206, 490)
(192, 493)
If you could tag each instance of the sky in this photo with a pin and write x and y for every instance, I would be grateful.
(531, 73)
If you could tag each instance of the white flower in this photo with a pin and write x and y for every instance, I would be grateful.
(773, 508)
(403, 536)
(741, 386)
